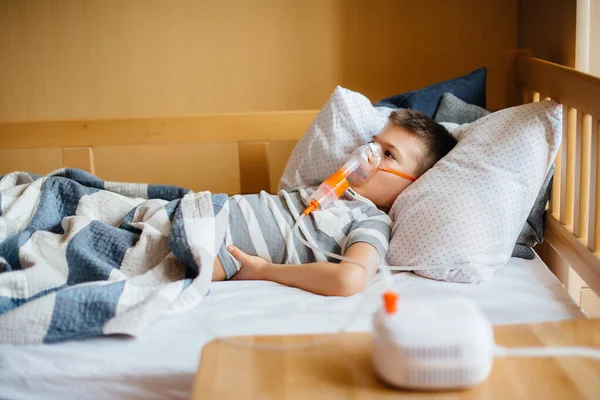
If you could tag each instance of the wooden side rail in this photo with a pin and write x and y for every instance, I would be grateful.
(573, 217)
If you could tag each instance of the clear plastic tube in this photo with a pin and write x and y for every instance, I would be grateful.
(327, 253)
(387, 275)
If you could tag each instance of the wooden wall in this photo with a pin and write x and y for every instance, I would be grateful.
(548, 29)
(66, 59)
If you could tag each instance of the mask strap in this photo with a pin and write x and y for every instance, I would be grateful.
(397, 173)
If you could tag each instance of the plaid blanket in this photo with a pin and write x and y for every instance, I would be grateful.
(81, 257)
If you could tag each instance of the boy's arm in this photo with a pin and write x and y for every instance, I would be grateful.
(323, 278)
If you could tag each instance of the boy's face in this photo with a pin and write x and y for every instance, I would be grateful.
(402, 151)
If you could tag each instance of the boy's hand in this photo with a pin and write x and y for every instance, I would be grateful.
(325, 278)
(252, 266)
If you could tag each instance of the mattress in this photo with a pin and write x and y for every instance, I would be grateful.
(162, 361)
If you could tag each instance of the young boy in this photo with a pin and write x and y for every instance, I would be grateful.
(260, 243)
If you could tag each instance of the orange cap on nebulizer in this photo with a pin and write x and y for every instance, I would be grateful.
(390, 301)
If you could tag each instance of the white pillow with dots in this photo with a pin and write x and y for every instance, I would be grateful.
(348, 120)
(462, 217)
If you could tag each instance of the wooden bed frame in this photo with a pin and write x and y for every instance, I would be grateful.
(245, 153)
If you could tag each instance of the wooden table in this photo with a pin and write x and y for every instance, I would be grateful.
(342, 369)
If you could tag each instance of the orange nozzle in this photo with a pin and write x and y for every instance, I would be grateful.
(390, 301)
(314, 205)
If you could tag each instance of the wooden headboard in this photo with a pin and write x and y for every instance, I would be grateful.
(245, 153)
(223, 153)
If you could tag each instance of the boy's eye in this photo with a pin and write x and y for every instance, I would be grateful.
(388, 154)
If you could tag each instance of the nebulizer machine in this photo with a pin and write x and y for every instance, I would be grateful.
(417, 343)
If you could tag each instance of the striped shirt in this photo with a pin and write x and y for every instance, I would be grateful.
(263, 225)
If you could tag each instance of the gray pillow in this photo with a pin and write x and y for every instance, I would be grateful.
(533, 230)
(453, 109)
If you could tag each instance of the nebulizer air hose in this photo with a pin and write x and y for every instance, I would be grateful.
(362, 162)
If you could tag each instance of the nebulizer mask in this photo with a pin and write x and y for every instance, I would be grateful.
(362, 162)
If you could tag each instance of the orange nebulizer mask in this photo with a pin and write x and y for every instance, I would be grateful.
(362, 162)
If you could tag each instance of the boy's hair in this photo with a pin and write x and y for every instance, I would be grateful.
(437, 140)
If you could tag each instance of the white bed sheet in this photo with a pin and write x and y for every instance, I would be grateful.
(161, 362)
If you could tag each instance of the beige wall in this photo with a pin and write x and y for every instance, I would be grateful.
(128, 58)
(547, 27)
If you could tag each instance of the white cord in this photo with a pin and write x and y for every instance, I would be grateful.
(547, 352)
(316, 342)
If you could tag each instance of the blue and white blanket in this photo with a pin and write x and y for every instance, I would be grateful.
(81, 257)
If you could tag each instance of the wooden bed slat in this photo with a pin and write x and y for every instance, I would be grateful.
(594, 205)
(564, 167)
(582, 175)
(571, 162)
(577, 183)
(553, 200)
(555, 194)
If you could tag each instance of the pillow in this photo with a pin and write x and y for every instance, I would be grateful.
(533, 230)
(470, 88)
(347, 121)
(453, 109)
(466, 212)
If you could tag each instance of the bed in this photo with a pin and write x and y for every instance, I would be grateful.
(161, 362)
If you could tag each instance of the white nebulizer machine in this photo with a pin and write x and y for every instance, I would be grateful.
(417, 343)
(443, 343)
